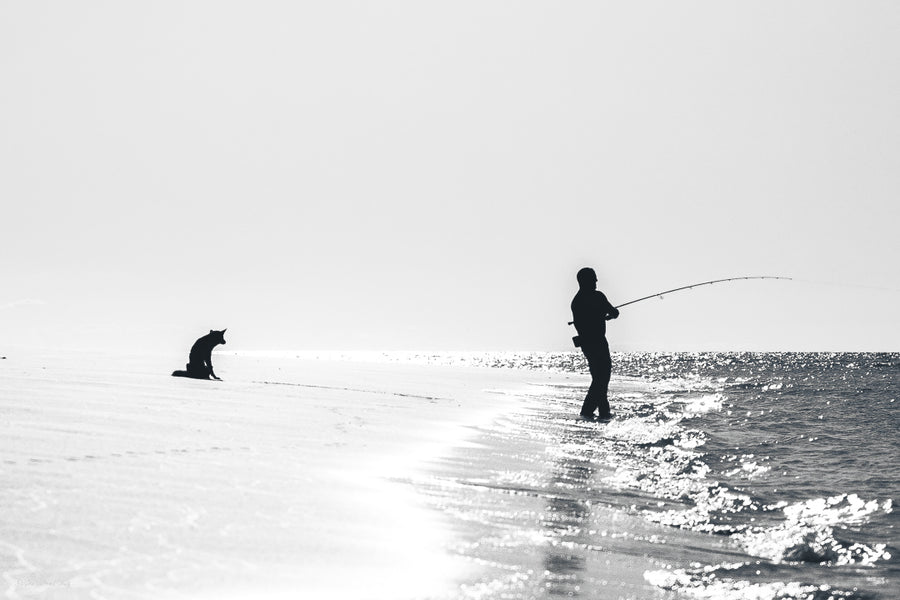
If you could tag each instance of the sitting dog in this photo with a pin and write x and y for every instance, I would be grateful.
(200, 360)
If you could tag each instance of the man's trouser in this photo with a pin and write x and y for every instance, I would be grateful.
(600, 365)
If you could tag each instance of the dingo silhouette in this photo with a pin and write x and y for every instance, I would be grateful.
(199, 364)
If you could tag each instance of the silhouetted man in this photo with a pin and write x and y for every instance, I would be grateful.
(590, 311)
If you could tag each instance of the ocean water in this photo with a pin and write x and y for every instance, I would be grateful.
(722, 475)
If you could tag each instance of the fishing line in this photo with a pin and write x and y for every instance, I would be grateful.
(843, 284)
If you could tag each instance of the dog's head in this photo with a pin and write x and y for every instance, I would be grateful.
(218, 337)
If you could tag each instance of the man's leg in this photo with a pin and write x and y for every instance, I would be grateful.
(601, 380)
(590, 400)
(600, 365)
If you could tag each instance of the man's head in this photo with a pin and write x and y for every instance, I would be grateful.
(587, 279)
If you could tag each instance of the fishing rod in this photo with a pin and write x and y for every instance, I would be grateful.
(693, 285)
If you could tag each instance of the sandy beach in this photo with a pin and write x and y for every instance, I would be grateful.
(290, 478)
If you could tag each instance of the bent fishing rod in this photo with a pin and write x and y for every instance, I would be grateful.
(693, 285)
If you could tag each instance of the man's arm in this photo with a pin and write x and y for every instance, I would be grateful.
(610, 312)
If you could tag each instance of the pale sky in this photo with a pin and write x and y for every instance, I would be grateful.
(423, 175)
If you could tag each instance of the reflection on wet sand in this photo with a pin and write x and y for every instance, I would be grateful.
(532, 514)
(565, 521)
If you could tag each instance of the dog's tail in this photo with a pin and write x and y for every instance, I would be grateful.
(180, 374)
